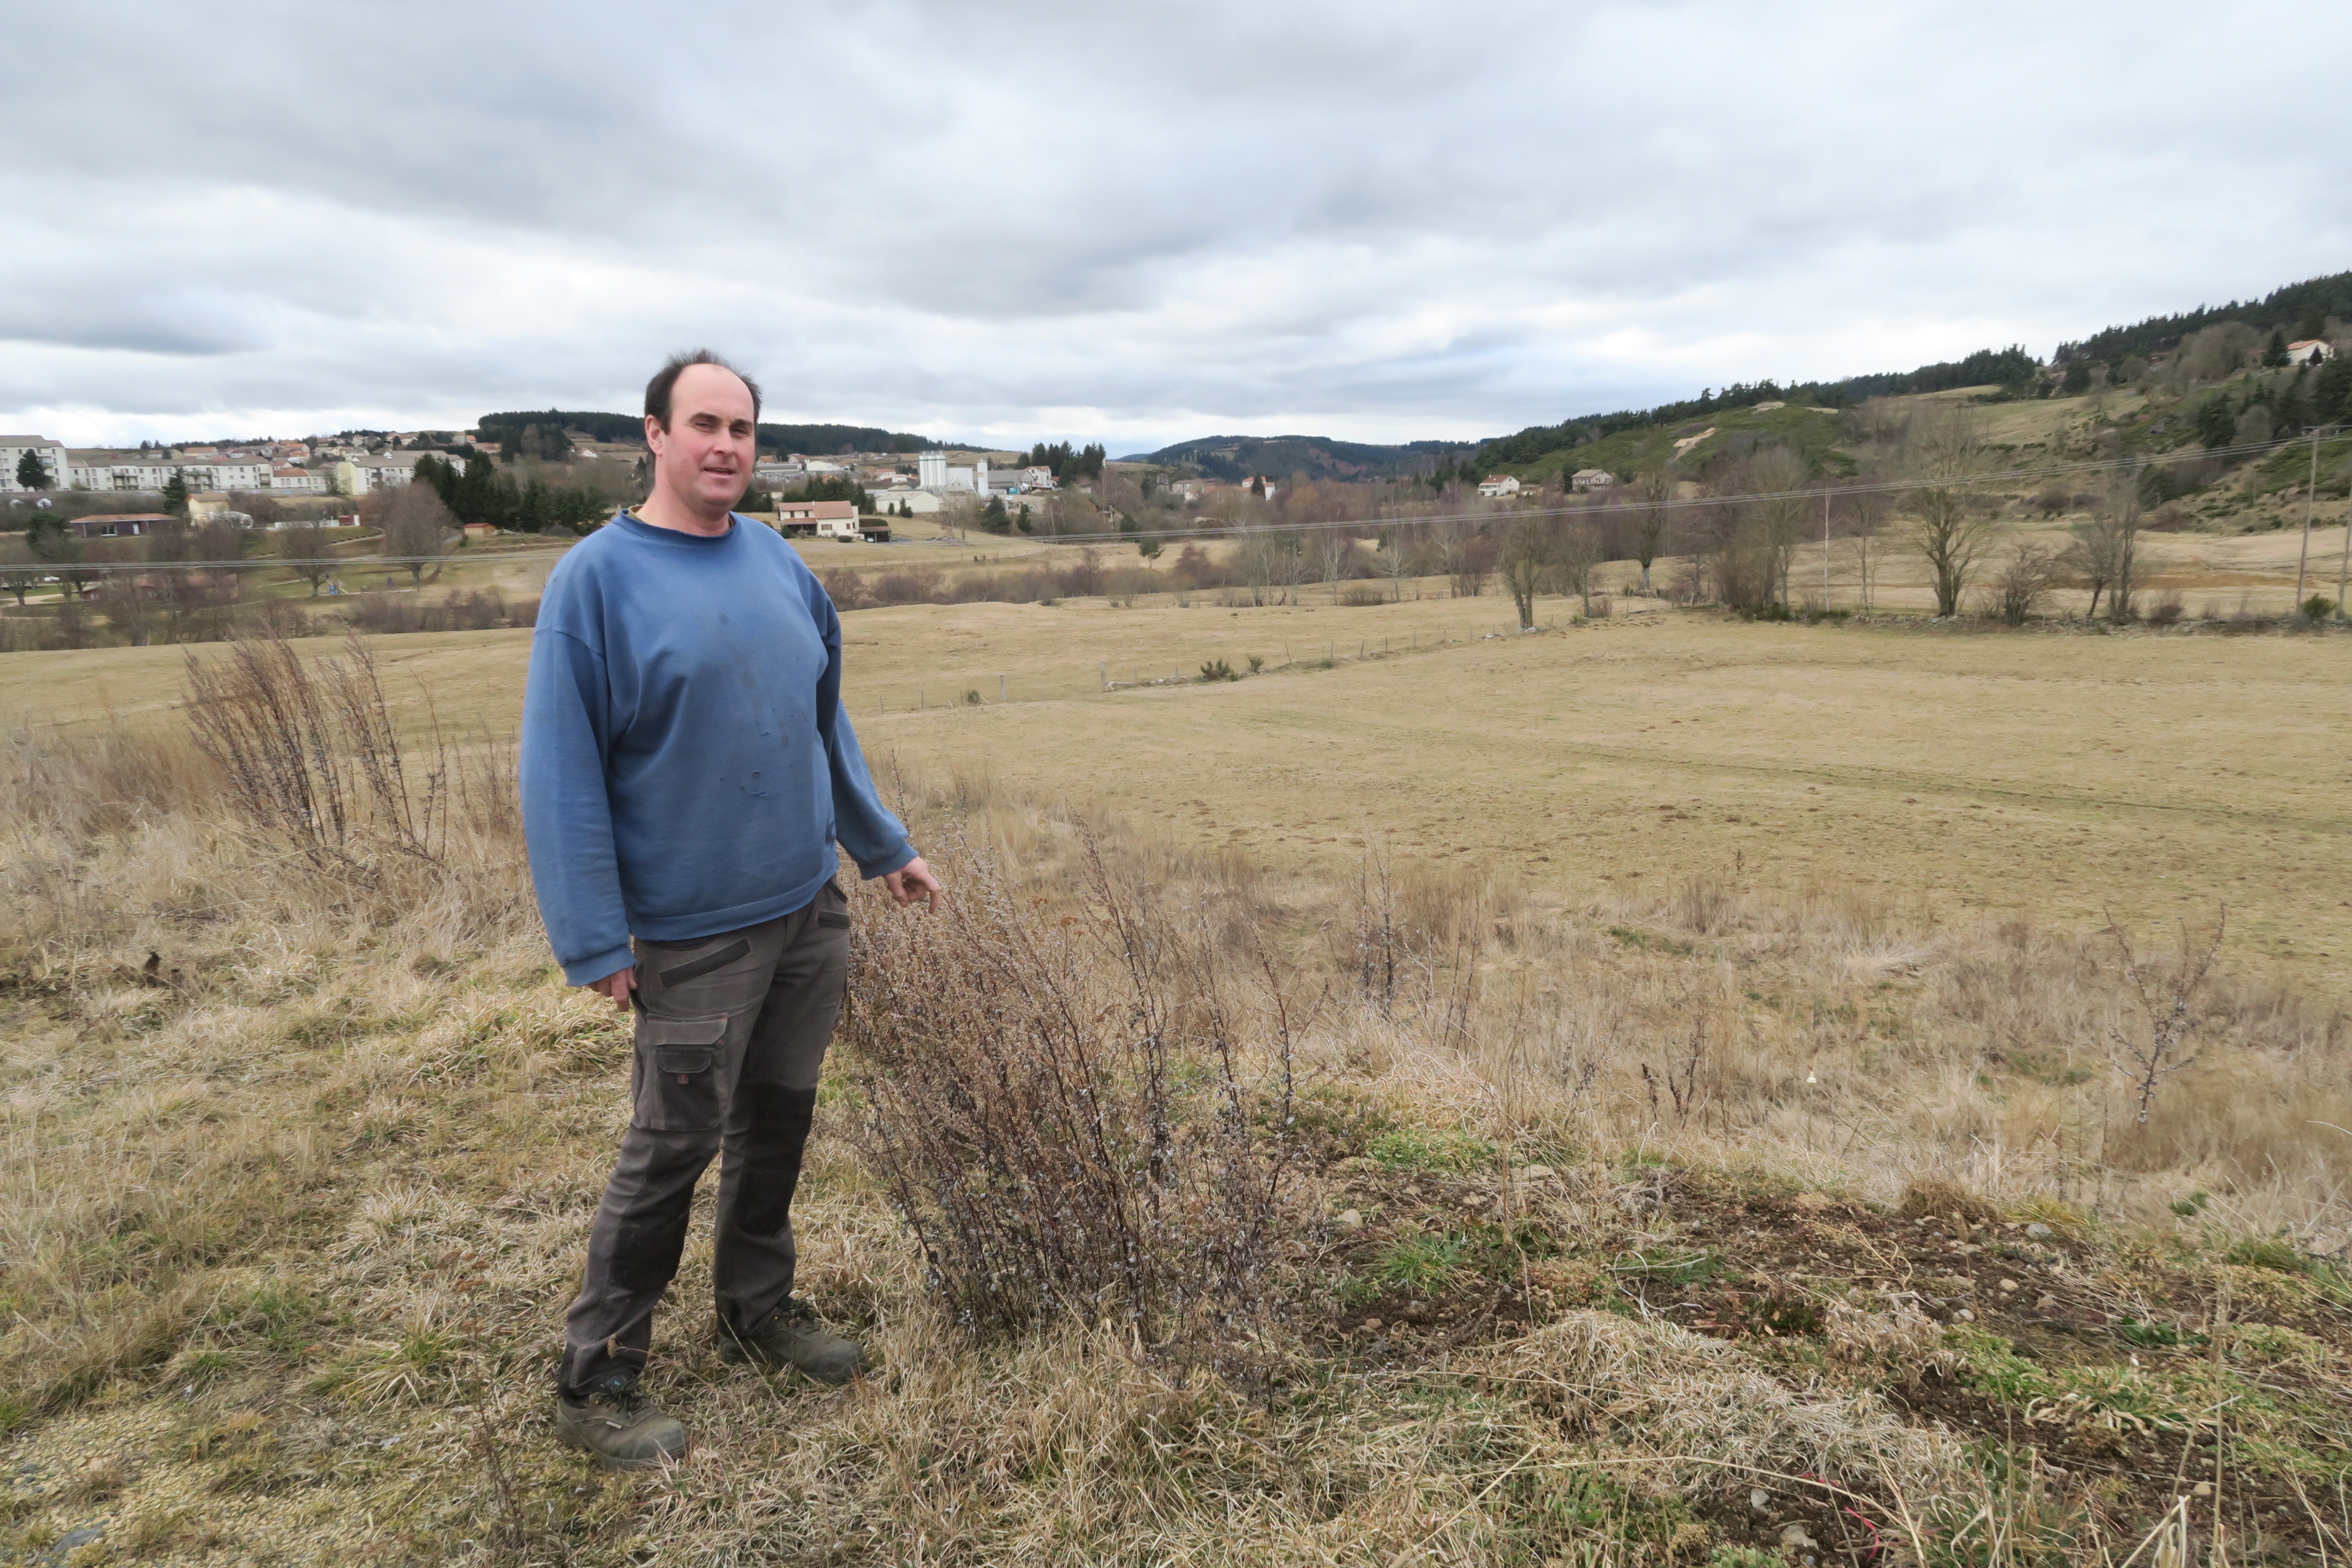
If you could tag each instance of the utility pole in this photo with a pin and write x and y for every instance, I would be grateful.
(2310, 500)
(1825, 549)
(2344, 562)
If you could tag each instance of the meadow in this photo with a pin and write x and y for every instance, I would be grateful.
(1681, 1056)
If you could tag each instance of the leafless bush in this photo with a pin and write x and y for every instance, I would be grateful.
(466, 610)
(2167, 1000)
(311, 758)
(1063, 1109)
(2024, 584)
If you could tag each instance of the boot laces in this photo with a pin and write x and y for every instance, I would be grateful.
(625, 1398)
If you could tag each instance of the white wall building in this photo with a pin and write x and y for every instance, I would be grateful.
(386, 470)
(297, 481)
(1591, 479)
(2309, 351)
(1497, 485)
(50, 454)
(225, 476)
(931, 470)
(119, 471)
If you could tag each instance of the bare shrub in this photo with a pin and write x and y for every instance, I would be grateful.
(310, 756)
(2024, 584)
(2167, 999)
(1062, 1106)
(913, 586)
(469, 610)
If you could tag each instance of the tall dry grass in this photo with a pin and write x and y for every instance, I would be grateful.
(1861, 1042)
(289, 1218)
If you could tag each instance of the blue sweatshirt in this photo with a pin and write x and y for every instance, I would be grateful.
(685, 764)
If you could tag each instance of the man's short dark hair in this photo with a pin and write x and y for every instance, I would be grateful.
(658, 389)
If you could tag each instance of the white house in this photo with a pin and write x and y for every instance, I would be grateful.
(1591, 479)
(817, 518)
(50, 455)
(2310, 350)
(1497, 485)
(297, 481)
(1037, 476)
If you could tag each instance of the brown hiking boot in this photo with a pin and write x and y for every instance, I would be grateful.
(792, 1336)
(618, 1422)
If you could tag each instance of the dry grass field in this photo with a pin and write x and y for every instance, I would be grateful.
(1680, 1054)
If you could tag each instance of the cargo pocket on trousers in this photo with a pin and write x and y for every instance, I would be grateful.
(679, 1090)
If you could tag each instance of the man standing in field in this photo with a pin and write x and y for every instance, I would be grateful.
(686, 768)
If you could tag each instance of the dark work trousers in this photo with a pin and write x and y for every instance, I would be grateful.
(731, 1033)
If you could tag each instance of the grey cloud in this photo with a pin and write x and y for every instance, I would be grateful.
(1377, 217)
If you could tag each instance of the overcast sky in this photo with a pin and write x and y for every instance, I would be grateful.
(1134, 223)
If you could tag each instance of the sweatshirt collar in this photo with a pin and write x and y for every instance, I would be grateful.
(636, 527)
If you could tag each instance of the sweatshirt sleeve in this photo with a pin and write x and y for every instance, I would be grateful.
(567, 816)
(875, 839)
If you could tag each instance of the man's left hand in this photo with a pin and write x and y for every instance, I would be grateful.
(912, 883)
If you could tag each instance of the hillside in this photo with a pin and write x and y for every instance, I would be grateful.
(2298, 310)
(819, 438)
(1810, 428)
(1236, 458)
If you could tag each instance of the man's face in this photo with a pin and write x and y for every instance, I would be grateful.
(703, 458)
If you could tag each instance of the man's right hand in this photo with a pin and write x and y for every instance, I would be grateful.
(617, 985)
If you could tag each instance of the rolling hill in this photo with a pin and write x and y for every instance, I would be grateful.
(1237, 457)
